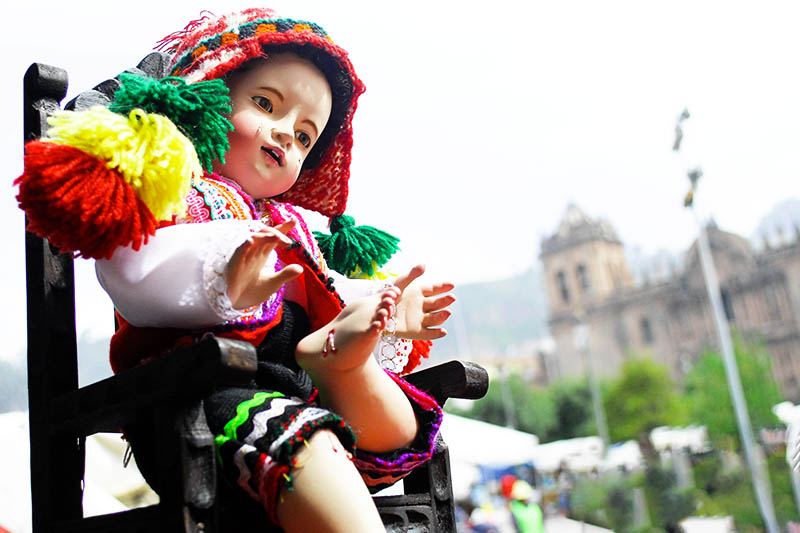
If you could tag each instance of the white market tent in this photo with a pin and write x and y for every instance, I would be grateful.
(579, 455)
(473, 443)
(698, 524)
(691, 438)
(486, 444)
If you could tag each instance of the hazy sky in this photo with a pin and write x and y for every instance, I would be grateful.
(482, 121)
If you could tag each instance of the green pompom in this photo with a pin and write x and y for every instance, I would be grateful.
(350, 247)
(198, 109)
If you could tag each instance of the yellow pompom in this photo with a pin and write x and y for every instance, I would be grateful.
(147, 149)
(378, 275)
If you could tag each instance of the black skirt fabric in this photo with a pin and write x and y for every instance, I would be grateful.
(257, 429)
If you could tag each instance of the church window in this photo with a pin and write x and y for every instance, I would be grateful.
(616, 279)
(563, 289)
(773, 307)
(583, 277)
(646, 330)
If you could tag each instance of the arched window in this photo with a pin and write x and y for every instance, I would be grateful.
(646, 330)
(583, 277)
(561, 281)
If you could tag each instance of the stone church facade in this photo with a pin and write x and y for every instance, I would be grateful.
(588, 282)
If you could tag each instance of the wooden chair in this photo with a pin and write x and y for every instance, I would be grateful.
(166, 392)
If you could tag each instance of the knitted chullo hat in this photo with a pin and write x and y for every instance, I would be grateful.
(212, 47)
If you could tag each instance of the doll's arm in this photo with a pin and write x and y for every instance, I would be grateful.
(248, 282)
(178, 279)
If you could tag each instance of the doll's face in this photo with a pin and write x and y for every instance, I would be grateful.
(279, 109)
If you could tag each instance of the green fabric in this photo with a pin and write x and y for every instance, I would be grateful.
(349, 247)
(528, 517)
(199, 109)
(243, 412)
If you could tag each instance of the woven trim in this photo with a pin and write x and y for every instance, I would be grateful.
(254, 29)
(243, 412)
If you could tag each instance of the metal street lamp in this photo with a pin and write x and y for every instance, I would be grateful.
(753, 453)
(580, 338)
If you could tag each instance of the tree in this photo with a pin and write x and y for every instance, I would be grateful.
(573, 411)
(642, 398)
(668, 505)
(708, 397)
(560, 411)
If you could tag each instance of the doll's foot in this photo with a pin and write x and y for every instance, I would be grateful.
(348, 340)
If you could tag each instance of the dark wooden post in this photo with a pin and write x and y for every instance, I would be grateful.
(56, 461)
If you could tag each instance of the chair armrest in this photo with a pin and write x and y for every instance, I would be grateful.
(453, 379)
(185, 375)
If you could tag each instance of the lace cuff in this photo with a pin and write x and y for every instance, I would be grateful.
(219, 249)
(392, 352)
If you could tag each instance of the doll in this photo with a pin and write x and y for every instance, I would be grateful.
(239, 261)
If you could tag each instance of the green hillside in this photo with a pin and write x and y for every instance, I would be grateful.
(490, 316)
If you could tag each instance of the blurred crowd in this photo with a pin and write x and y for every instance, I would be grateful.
(514, 500)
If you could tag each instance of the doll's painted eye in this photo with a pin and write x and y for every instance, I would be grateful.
(263, 102)
(304, 139)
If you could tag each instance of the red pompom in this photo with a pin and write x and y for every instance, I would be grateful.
(420, 350)
(78, 203)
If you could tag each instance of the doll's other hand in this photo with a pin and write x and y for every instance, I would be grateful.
(247, 284)
(421, 308)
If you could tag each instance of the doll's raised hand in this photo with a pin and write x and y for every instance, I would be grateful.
(247, 282)
(422, 308)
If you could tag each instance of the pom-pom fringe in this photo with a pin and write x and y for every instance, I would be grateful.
(420, 349)
(78, 203)
(198, 110)
(350, 248)
(147, 150)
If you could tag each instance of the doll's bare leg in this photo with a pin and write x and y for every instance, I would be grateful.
(338, 357)
(328, 494)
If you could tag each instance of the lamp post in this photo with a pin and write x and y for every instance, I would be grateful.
(753, 453)
(580, 338)
(505, 394)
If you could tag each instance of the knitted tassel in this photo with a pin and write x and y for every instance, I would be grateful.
(78, 203)
(146, 149)
(349, 249)
(198, 109)
(421, 349)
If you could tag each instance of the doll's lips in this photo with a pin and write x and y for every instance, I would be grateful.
(274, 153)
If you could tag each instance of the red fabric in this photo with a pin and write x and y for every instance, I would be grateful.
(421, 350)
(323, 303)
(78, 203)
(131, 345)
(253, 336)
